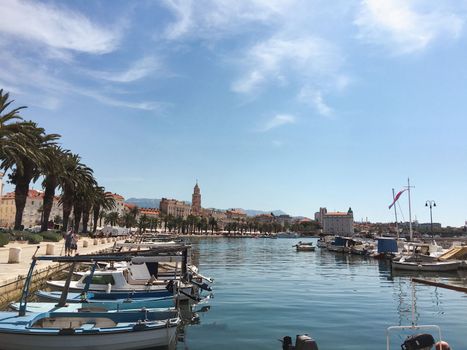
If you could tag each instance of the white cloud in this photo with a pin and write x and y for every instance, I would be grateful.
(405, 26)
(55, 27)
(209, 19)
(278, 120)
(138, 70)
(45, 90)
(314, 98)
(277, 58)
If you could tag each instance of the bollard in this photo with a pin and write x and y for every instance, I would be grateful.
(95, 241)
(85, 244)
(103, 241)
(109, 239)
(14, 255)
(50, 249)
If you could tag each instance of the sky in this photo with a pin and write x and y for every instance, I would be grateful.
(269, 104)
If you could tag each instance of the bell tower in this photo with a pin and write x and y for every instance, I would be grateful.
(196, 200)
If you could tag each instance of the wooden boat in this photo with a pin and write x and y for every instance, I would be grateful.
(131, 330)
(438, 266)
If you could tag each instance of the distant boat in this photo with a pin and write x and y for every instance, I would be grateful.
(305, 247)
(100, 297)
(288, 235)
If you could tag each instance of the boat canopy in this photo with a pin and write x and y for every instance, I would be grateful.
(387, 245)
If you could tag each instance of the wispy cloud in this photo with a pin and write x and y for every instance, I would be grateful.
(211, 19)
(46, 90)
(278, 58)
(277, 121)
(56, 27)
(138, 70)
(405, 26)
(315, 98)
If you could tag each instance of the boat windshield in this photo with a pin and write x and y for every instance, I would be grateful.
(100, 279)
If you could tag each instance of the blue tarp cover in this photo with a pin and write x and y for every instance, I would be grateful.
(387, 245)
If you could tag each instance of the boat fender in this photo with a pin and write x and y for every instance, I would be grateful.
(305, 342)
(442, 345)
(109, 288)
(170, 286)
(418, 341)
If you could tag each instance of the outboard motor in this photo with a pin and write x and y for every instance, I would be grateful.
(418, 342)
(302, 342)
(287, 343)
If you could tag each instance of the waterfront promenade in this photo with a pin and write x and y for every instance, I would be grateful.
(10, 272)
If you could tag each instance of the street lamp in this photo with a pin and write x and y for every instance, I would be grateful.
(431, 204)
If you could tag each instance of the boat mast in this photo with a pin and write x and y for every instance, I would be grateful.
(410, 211)
(395, 213)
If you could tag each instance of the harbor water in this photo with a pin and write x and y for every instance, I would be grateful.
(265, 290)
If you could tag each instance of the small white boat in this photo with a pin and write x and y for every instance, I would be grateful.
(305, 247)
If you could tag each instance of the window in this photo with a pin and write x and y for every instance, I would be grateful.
(102, 279)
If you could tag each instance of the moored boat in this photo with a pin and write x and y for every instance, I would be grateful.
(438, 266)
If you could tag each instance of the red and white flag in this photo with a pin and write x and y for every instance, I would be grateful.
(397, 197)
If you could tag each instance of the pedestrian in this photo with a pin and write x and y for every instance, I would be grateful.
(68, 242)
(74, 242)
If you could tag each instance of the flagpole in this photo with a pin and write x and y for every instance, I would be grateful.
(395, 213)
(410, 212)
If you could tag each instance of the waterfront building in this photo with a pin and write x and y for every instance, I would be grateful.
(336, 223)
(175, 208)
(235, 214)
(32, 214)
(152, 213)
(119, 203)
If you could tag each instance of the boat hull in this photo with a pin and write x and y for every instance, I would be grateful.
(433, 267)
(124, 340)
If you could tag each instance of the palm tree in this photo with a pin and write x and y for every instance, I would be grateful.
(111, 218)
(8, 128)
(76, 177)
(52, 171)
(212, 223)
(102, 201)
(26, 161)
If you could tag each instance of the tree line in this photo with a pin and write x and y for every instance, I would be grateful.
(29, 154)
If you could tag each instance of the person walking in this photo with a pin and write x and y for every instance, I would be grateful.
(74, 243)
(68, 242)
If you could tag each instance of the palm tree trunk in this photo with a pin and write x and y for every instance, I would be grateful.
(49, 193)
(86, 212)
(67, 204)
(21, 195)
(96, 210)
(77, 213)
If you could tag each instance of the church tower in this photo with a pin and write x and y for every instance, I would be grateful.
(196, 200)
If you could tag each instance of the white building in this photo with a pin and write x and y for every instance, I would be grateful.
(336, 223)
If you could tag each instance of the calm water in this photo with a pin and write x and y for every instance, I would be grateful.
(264, 290)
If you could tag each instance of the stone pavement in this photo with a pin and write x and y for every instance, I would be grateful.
(10, 272)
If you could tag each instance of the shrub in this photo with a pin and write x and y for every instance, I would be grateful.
(32, 238)
(51, 236)
(4, 239)
(35, 238)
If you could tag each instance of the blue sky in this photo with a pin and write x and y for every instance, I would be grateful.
(270, 104)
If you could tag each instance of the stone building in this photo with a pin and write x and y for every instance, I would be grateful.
(32, 214)
(336, 223)
(175, 208)
(119, 207)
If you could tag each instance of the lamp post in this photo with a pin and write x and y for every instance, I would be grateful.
(431, 204)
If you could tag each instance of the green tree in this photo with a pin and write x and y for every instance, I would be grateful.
(111, 218)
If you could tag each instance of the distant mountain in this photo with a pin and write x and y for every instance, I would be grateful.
(144, 202)
(154, 203)
(253, 212)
